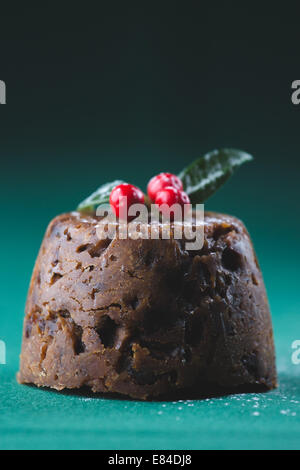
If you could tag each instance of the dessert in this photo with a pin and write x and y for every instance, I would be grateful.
(147, 317)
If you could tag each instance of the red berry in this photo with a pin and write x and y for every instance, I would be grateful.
(161, 181)
(119, 194)
(170, 196)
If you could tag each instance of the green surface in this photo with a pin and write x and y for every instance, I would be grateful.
(40, 419)
(99, 94)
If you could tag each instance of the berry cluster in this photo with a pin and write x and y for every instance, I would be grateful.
(164, 190)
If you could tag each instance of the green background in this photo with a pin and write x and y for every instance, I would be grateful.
(125, 91)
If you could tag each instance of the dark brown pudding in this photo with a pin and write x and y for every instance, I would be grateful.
(145, 317)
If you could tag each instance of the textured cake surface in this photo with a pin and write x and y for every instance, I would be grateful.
(146, 317)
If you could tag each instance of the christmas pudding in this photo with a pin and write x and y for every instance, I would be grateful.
(148, 317)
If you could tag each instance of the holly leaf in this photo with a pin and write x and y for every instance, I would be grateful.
(208, 173)
(100, 196)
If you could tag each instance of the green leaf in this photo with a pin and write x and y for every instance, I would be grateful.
(206, 175)
(100, 196)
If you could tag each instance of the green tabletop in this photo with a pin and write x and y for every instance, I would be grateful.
(32, 418)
